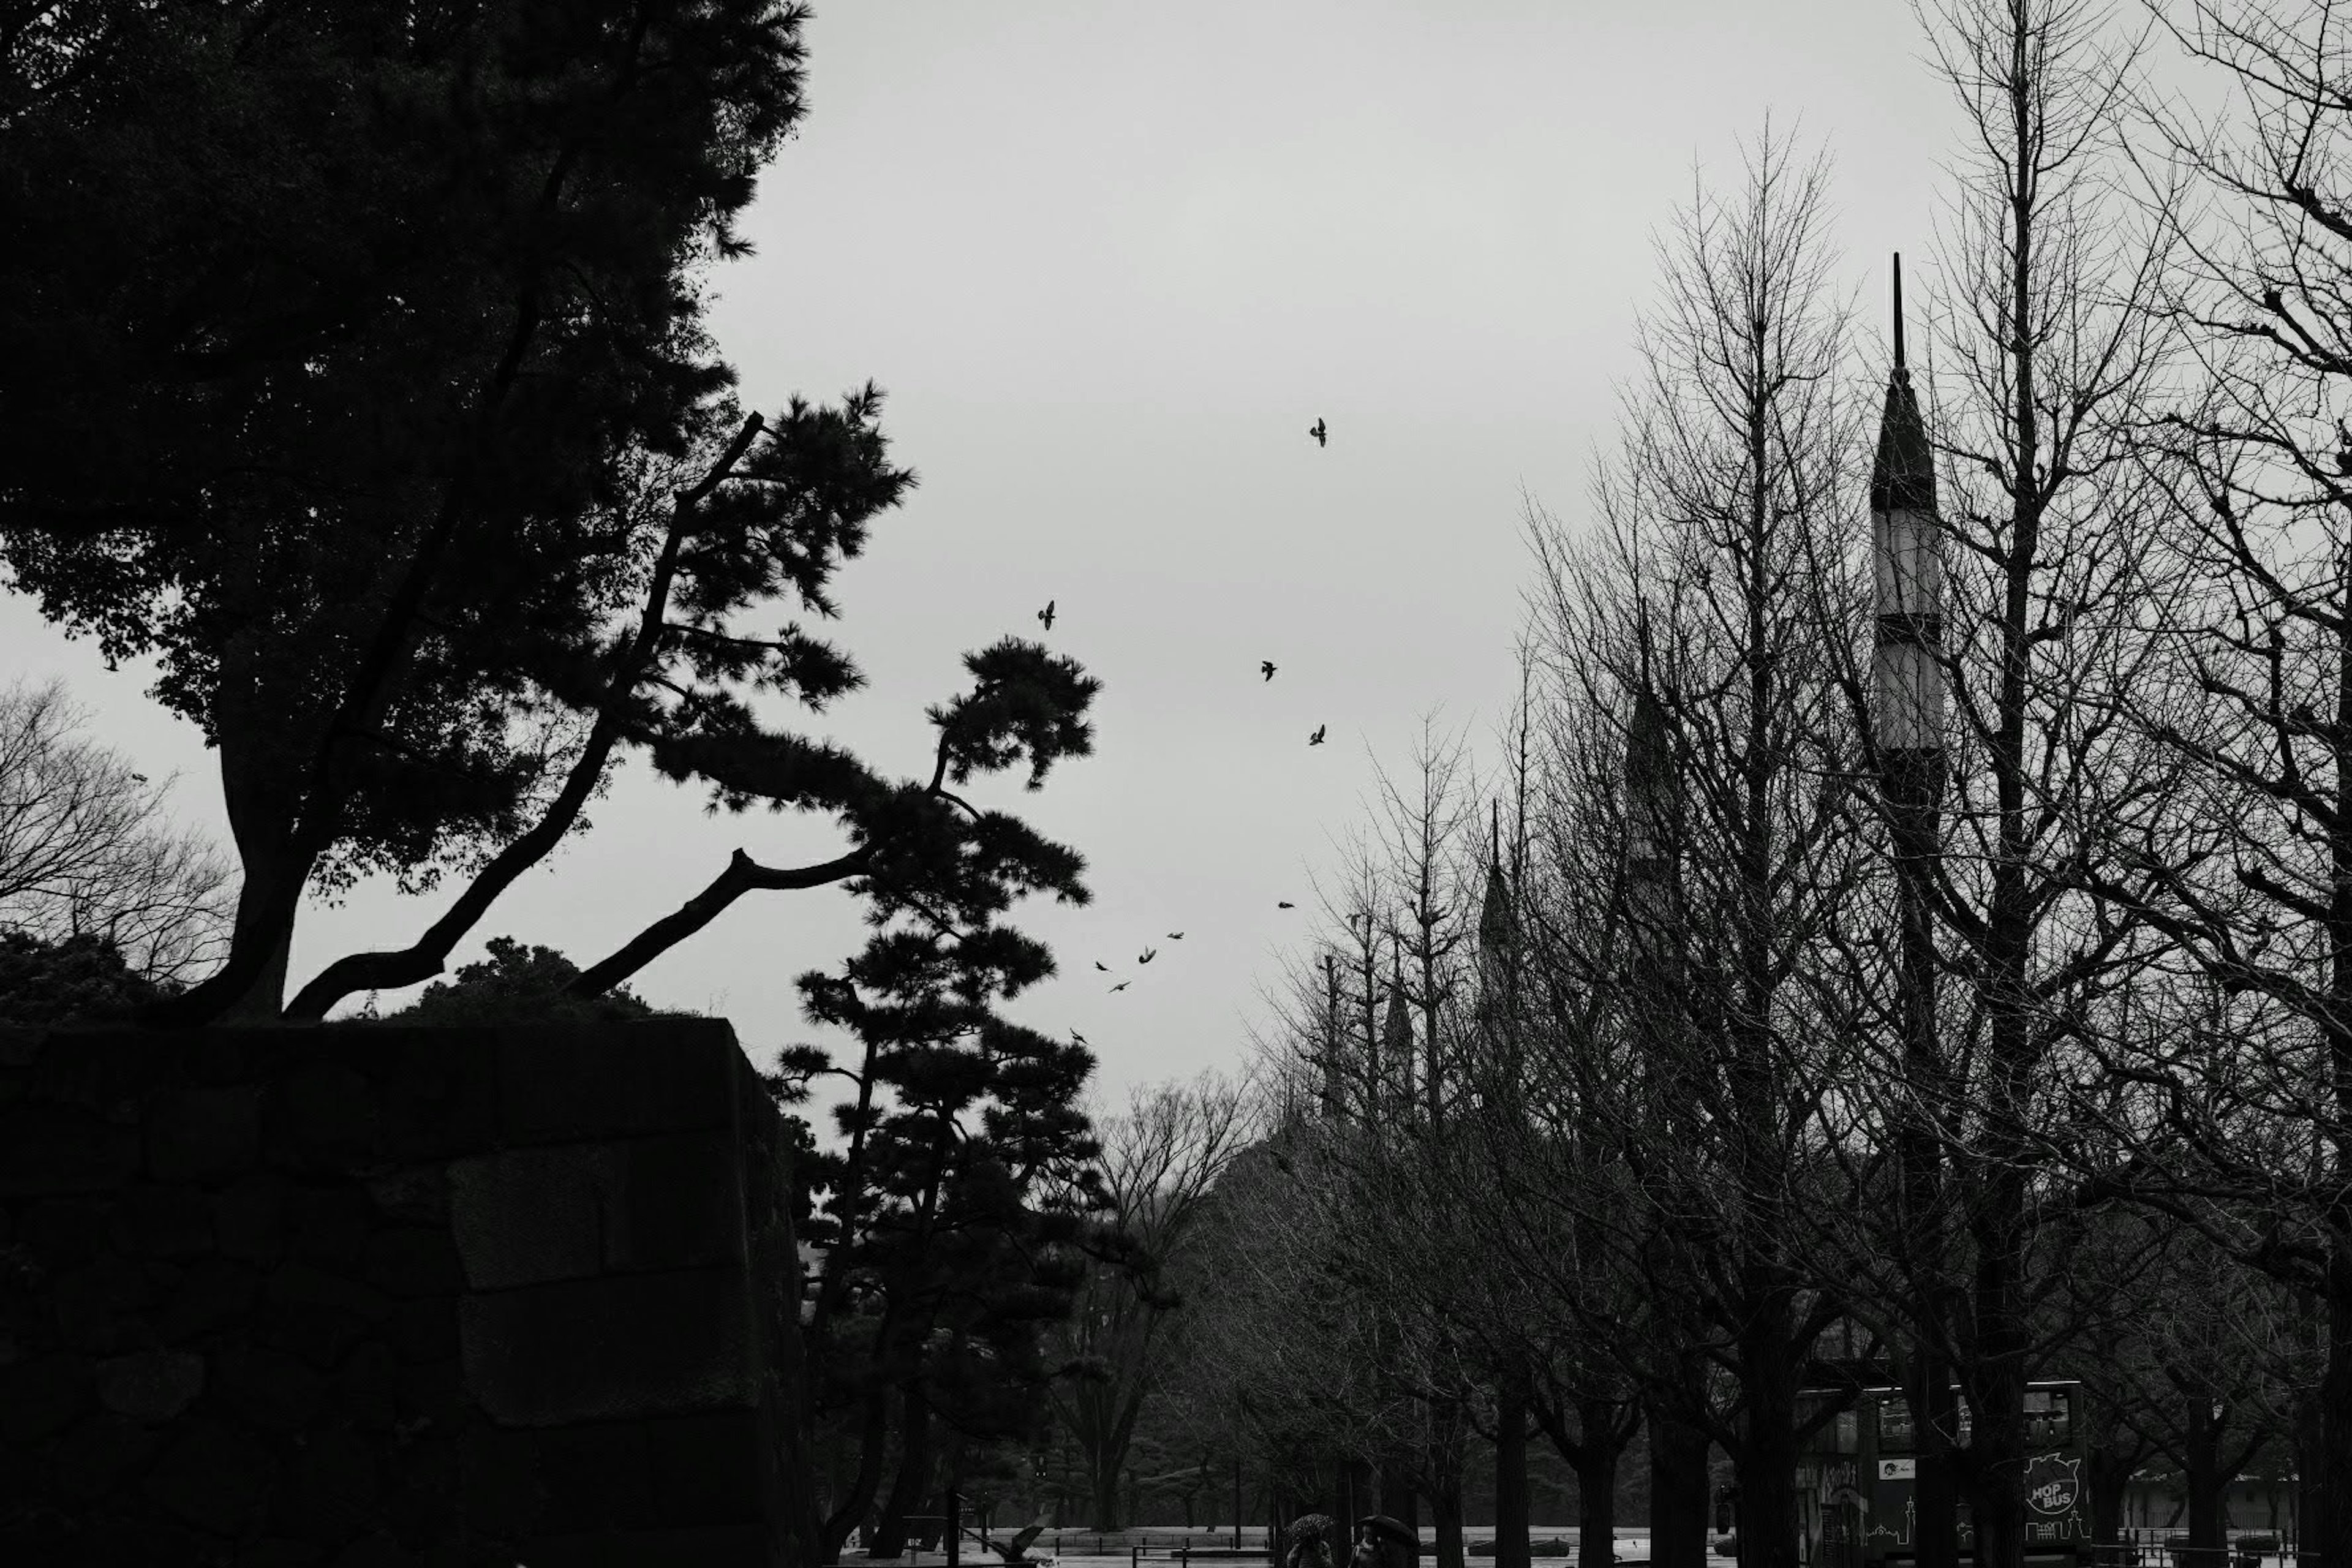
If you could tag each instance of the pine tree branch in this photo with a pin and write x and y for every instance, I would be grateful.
(743, 875)
(426, 958)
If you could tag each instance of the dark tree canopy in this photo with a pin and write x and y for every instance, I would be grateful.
(518, 985)
(341, 346)
(78, 979)
(950, 1213)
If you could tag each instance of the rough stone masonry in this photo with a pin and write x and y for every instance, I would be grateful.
(372, 1295)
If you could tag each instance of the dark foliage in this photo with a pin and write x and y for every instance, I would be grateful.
(953, 1211)
(339, 344)
(75, 980)
(517, 984)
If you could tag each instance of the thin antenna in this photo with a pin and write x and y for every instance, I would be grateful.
(1898, 310)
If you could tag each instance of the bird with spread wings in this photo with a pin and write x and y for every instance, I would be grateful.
(1014, 1550)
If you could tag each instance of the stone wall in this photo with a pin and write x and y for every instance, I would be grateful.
(368, 1296)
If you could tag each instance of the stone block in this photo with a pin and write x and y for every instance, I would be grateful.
(414, 1061)
(163, 1277)
(212, 1477)
(218, 1057)
(423, 1330)
(333, 1491)
(315, 1315)
(41, 1395)
(571, 1211)
(66, 1233)
(365, 1390)
(250, 1220)
(421, 1501)
(524, 1217)
(163, 1221)
(61, 1149)
(105, 1072)
(710, 1546)
(329, 1225)
(204, 1134)
(589, 1349)
(498, 1490)
(412, 1261)
(323, 1113)
(436, 1091)
(558, 1083)
(413, 1194)
(212, 1294)
(91, 1303)
(266, 1388)
(373, 1552)
(142, 1543)
(20, 1047)
(102, 1452)
(433, 1397)
(149, 1385)
(678, 1204)
(598, 1477)
(705, 1468)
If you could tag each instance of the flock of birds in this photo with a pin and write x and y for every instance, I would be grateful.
(1265, 672)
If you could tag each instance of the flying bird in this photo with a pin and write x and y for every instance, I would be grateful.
(1122, 985)
(1266, 666)
(1080, 1038)
(1322, 437)
(1149, 954)
(1285, 904)
(1316, 738)
(1046, 615)
(1015, 1551)
(1175, 936)
(1101, 966)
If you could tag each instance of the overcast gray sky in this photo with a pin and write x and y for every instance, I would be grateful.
(1110, 260)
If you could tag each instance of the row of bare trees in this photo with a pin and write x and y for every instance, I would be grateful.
(2013, 1043)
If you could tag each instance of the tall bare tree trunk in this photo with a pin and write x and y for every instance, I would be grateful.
(1513, 1537)
(1678, 1491)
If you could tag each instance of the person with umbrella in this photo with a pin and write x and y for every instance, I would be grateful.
(1385, 1543)
(1310, 1541)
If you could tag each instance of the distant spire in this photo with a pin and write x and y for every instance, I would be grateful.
(1335, 1103)
(1649, 756)
(1494, 919)
(1396, 1031)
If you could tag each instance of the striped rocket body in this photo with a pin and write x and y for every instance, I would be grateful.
(1907, 696)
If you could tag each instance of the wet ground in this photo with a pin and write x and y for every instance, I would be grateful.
(1079, 1551)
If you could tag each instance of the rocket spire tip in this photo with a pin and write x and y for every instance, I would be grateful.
(1898, 310)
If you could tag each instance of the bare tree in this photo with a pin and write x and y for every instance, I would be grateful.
(2046, 349)
(87, 849)
(2242, 1122)
(1692, 626)
(1161, 1157)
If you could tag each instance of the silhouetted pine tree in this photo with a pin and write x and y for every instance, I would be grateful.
(952, 1214)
